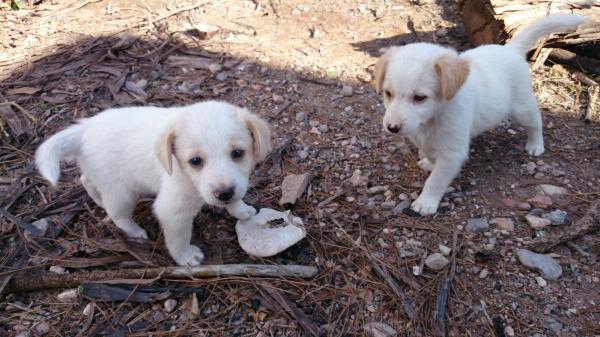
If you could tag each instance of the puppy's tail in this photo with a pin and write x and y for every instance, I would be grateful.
(63, 144)
(527, 38)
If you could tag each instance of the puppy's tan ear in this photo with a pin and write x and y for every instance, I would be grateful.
(261, 135)
(380, 68)
(164, 149)
(453, 72)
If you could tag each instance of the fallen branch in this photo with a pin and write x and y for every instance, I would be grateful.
(579, 62)
(589, 223)
(275, 296)
(25, 281)
(441, 303)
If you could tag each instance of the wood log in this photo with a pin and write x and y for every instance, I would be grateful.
(496, 21)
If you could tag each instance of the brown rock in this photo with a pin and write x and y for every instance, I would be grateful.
(293, 187)
(541, 201)
(504, 224)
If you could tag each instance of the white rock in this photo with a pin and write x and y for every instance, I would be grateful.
(436, 261)
(23, 333)
(537, 222)
(41, 225)
(258, 238)
(444, 250)
(417, 270)
(540, 281)
(170, 305)
(69, 295)
(88, 310)
(388, 204)
(42, 328)
(509, 331)
(484, 273)
(557, 217)
(57, 270)
(378, 329)
(215, 68)
(552, 190)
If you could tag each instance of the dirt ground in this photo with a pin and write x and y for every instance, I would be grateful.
(306, 68)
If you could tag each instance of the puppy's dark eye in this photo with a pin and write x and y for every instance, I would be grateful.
(388, 94)
(237, 154)
(196, 161)
(419, 98)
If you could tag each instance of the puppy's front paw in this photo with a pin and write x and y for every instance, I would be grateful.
(425, 164)
(242, 211)
(534, 149)
(425, 205)
(137, 233)
(192, 257)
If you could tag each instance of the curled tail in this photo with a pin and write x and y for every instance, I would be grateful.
(527, 38)
(63, 144)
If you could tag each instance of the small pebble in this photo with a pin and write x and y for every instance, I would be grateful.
(69, 295)
(537, 222)
(170, 305)
(505, 224)
(436, 261)
(221, 76)
(552, 190)
(444, 249)
(558, 217)
(42, 328)
(388, 204)
(545, 264)
(376, 190)
(540, 281)
(347, 90)
(484, 273)
(477, 225)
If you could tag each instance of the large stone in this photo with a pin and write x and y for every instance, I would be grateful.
(546, 265)
(293, 187)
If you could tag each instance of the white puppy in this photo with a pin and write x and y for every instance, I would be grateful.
(440, 99)
(184, 155)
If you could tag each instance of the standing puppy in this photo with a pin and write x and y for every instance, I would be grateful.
(440, 99)
(184, 155)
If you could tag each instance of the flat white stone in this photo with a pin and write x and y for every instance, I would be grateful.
(259, 236)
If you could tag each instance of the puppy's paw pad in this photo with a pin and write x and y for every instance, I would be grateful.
(425, 206)
(244, 212)
(534, 149)
(192, 257)
(425, 164)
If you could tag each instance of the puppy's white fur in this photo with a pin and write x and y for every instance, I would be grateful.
(128, 153)
(440, 99)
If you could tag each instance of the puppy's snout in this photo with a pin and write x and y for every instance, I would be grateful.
(393, 128)
(224, 194)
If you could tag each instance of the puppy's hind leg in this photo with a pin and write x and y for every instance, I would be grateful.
(119, 205)
(91, 189)
(527, 114)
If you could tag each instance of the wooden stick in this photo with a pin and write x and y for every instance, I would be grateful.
(589, 223)
(26, 281)
(441, 303)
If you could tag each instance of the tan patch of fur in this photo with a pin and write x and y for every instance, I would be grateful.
(380, 69)
(453, 72)
(164, 149)
(261, 135)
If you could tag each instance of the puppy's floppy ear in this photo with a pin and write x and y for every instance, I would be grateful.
(381, 67)
(164, 149)
(453, 72)
(261, 135)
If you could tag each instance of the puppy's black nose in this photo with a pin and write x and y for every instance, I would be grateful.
(393, 128)
(225, 194)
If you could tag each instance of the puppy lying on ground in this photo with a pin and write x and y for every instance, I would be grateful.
(184, 155)
(440, 99)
